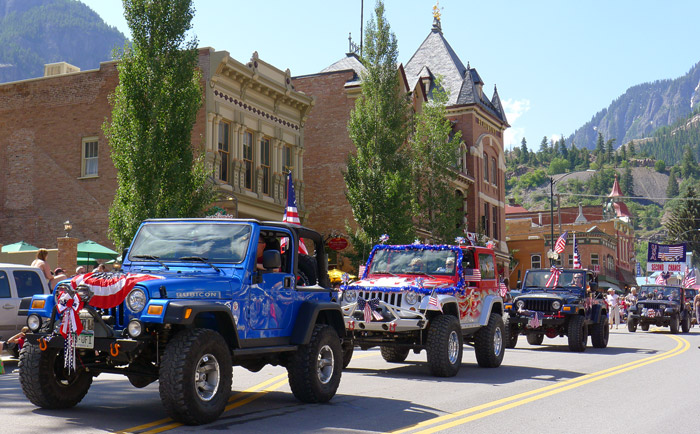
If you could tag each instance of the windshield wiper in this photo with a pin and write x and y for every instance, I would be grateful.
(201, 259)
(152, 258)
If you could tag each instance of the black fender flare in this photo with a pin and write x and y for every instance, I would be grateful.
(312, 313)
(176, 311)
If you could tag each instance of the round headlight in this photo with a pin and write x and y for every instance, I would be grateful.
(135, 328)
(520, 304)
(411, 297)
(84, 293)
(556, 305)
(136, 300)
(350, 296)
(34, 322)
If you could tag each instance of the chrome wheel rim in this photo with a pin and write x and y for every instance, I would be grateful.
(207, 377)
(497, 342)
(453, 347)
(325, 364)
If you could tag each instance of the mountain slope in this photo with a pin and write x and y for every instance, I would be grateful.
(642, 109)
(36, 32)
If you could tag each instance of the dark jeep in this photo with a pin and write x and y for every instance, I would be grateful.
(662, 306)
(571, 305)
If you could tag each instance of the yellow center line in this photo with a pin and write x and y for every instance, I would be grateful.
(534, 395)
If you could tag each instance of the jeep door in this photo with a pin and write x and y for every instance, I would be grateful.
(271, 298)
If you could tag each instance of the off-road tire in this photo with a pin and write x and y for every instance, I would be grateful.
(535, 338)
(645, 327)
(348, 349)
(307, 271)
(489, 343)
(600, 333)
(511, 334)
(185, 395)
(685, 323)
(46, 383)
(394, 354)
(631, 325)
(674, 323)
(577, 334)
(315, 368)
(444, 346)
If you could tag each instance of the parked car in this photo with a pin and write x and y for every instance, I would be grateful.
(18, 283)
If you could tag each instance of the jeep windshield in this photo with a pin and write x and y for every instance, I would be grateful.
(178, 241)
(660, 292)
(409, 260)
(569, 280)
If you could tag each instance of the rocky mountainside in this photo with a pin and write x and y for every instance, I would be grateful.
(642, 109)
(36, 32)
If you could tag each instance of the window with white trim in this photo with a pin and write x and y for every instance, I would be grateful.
(248, 159)
(265, 164)
(535, 261)
(89, 157)
(223, 150)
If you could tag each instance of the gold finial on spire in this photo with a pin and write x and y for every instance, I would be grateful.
(436, 10)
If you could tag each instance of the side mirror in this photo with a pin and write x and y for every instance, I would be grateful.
(272, 259)
(125, 252)
(594, 286)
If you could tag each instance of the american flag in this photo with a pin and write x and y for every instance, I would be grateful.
(369, 308)
(560, 245)
(577, 258)
(433, 302)
(291, 215)
(472, 274)
(662, 278)
(502, 288)
(536, 320)
(690, 278)
(554, 278)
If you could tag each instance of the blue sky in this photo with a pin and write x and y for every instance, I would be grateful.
(556, 63)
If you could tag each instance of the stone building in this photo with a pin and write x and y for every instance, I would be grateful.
(481, 120)
(55, 162)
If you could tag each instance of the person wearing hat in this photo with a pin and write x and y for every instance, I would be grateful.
(613, 301)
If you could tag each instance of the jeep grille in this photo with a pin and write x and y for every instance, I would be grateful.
(392, 298)
(652, 305)
(539, 305)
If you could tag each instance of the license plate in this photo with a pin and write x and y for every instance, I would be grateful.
(86, 339)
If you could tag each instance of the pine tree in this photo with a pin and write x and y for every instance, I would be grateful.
(609, 145)
(684, 224)
(524, 154)
(627, 182)
(631, 149)
(543, 145)
(154, 108)
(599, 149)
(562, 148)
(377, 178)
(672, 189)
(689, 166)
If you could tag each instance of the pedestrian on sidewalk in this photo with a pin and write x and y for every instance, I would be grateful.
(613, 307)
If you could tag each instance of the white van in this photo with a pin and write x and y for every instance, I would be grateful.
(18, 282)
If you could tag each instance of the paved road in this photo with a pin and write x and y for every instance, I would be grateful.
(643, 382)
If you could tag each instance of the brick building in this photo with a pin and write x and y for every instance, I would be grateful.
(55, 161)
(604, 235)
(481, 120)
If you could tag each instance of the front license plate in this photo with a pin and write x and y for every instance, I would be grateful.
(85, 340)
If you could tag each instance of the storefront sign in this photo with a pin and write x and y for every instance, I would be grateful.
(338, 243)
(672, 267)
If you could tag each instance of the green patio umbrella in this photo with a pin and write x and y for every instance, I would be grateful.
(89, 250)
(19, 246)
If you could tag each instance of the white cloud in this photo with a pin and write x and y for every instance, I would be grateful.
(514, 109)
(555, 137)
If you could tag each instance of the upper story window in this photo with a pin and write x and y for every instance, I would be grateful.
(535, 261)
(248, 159)
(224, 129)
(89, 157)
(486, 219)
(494, 172)
(265, 164)
(494, 217)
(594, 259)
(486, 167)
(287, 163)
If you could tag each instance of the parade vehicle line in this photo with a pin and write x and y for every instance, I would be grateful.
(237, 400)
(510, 402)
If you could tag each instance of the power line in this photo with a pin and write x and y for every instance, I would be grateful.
(629, 197)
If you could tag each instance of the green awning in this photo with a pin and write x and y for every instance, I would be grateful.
(92, 250)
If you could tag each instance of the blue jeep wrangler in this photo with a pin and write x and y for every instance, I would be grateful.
(197, 296)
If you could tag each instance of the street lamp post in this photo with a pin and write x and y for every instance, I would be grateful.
(552, 255)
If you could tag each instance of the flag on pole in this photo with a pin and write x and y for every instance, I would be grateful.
(577, 258)
(502, 288)
(690, 278)
(560, 245)
(433, 302)
(662, 278)
(291, 215)
(472, 274)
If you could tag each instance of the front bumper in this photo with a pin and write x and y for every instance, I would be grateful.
(113, 345)
(394, 319)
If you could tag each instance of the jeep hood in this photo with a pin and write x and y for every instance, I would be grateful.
(192, 285)
(400, 282)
